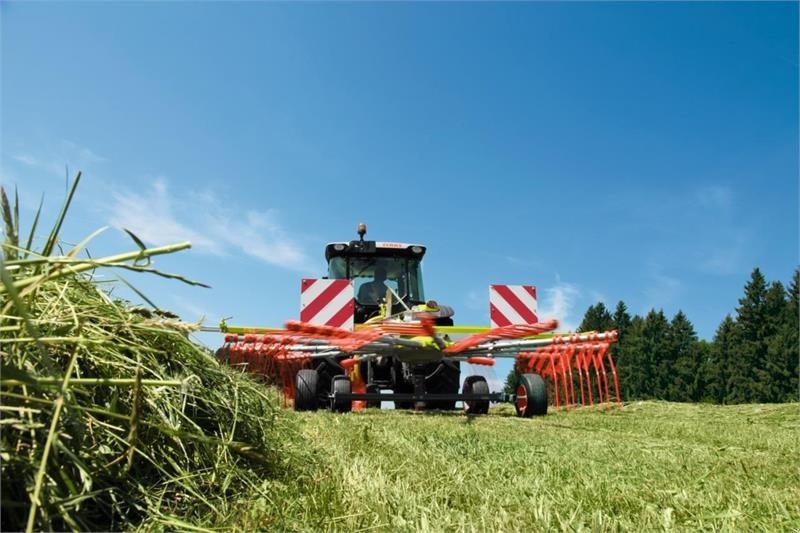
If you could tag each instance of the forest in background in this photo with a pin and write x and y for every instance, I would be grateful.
(754, 356)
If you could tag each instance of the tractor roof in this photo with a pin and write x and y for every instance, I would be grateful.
(373, 248)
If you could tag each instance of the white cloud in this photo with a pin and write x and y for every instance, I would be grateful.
(158, 219)
(260, 236)
(559, 302)
(150, 216)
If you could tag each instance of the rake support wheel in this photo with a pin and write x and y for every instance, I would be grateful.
(476, 385)
(531, 396)
(306, 386)
(341, 385)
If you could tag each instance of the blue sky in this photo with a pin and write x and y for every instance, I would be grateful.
(642, 152)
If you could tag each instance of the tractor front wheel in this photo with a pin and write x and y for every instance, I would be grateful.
(306, 383)
(373, 404)
(476, 385)
(341, 385)
(531, 396)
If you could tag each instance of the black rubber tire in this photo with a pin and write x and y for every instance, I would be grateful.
(341, 385)
(532, 396)
(476, 385)
(224, 353)
(327, 370)
(444, 379)
(373, 404)
(306, 385)
(400, 386)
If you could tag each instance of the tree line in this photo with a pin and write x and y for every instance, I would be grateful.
(753, 358)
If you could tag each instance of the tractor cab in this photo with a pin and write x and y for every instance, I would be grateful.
(373, 267)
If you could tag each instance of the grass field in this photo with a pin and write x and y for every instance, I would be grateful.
(113, 420)
(650, 466)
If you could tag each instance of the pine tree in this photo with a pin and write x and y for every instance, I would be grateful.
(621, 321)
(656, 331)
(793, 334)
(792, 326)
(702, 354)
(678, 368)
(630, 366)
(645, 347)
(783, 347)
(745, 382)
(774, 378)
(716, 371)
(597, 318)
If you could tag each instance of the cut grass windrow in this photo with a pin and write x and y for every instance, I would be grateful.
(112, 418)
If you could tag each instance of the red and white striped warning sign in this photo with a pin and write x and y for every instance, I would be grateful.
(512, 304)
(327, 302)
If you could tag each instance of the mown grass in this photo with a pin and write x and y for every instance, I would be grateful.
(110, 417)
(649, 466)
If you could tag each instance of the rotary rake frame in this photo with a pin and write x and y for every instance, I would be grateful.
(550, 366)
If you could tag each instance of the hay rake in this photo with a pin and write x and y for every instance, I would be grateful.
(550, 364)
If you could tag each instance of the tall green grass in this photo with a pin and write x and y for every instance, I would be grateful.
(111, 417)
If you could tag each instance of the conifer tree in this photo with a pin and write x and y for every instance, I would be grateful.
(716, 371)
(679, 365)
(793, 336)
(656, 329)
(774, 378)
(783, 347)
(647, 346)
(630, 367)
(702, 355)
(745, 381)
(597, 318)
(621, 321)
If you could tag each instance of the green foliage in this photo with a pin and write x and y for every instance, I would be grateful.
(622, 319)
(597, 318)
(717, 368)
(510, 384)
(682, 356)
(791, 333)
(745, 380)
(755, 357)
(783, 346)
(630, 361)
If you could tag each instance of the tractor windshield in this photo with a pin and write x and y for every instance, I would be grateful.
(402, 275)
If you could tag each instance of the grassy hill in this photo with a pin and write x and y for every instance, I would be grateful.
(648, 466)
